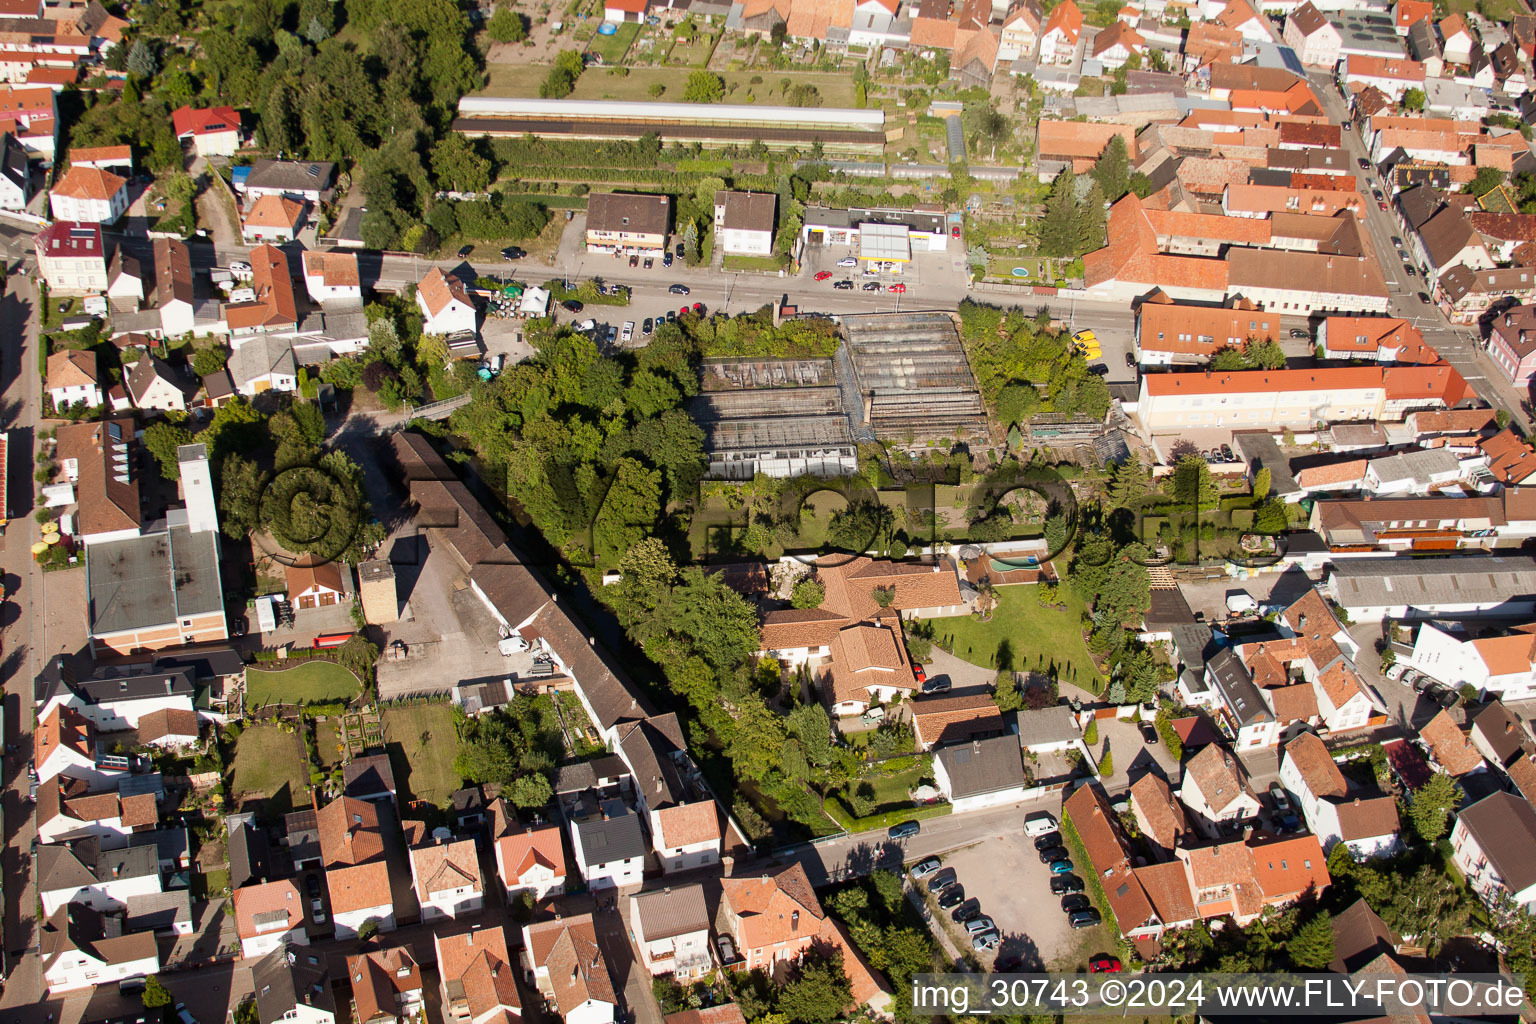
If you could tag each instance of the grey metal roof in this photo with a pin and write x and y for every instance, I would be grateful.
(1046, 725)
(288, 977)
(982, 766)
(1235, 684)
(152, 580)
(158, 911)
(291, 176)
(147, 686)
(1258, 449)
(606, 840)
(1467, 579)
(1417, 466)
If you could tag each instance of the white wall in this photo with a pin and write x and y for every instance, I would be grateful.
(75, 970)
(347, 924)
(103, 896)
(261, 945)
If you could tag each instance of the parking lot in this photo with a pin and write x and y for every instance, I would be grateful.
(927, 272)
(1035, 932)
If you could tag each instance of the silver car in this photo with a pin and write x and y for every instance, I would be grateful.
(977, 925)
(985, 942)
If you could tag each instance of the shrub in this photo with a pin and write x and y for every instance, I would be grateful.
(1107, 764)
(1091, 734)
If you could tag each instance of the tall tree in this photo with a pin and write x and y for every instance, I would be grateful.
(1090, 220)
(1112, 170)
(1059, 225)
(1431, 807)
(1311, 947)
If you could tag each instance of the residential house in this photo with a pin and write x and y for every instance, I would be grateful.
(1159, 816)
(1457, 40)
(671, 928)
(1174, 333)
(1512, 343)
(867, 665)
(1407, 12)
(89, 195)
(100, 460)
(1061, 34)
(386, 985)
(272, 218)
(32, 116)
(274, 308)
(476, 977)
(64, 743)
(104, 880)
(744, 222)
(73, 379)
(352, 850)
(725, 1013)
(173, 295)
(687, 835)
(171, 729)
(567, 966)
(294, 987)
(1488, 845)
(445, 304)
(1384, 339)
(108, 158)
(71, 258)
(1215, 789)
(304, 181)
(209, 132)
(332, 277)
(1115, 45)
(1498, 666)
(125, 283)
(161, 913)
(628, 222)
(1449, 747)
(1366, 822)
(1110, 859)
(263, 363)
(1394, 76)
(939, 720)
(67, 811)
(315, 586)
(270, 914)
(1021, 30)
(447, 879)
(1313, 37)
(153, 386)
(114, 699)
(1500, 735)
(80, 948)
(529, 859)
(1240, 878)
(369, 777)
(980, 773)
(620, 11)
(610, 848)
(15, 176)
(1448, 240)
(1241, 17)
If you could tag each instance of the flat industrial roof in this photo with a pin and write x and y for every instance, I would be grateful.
(887, 242)
(152, 580)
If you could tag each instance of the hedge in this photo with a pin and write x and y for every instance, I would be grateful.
(840, 813)
(1087, 873)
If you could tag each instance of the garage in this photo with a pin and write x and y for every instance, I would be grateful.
(316, 586)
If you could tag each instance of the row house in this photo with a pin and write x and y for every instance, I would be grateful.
(356, 875)
(1511, 340)
(1381, 339)
(1489, 845)
(80, 948)
(1062, 32)
(67, 810)
(103, 879)
(1216, 792)
(1313, 37)
(293, 986)
(672, 930)
(1171, 333)
(1393, 76)
(1431, 523)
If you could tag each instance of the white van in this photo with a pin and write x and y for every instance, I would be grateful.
(629, 331)
(1240, 602)
(1039, 823)
(243, 295)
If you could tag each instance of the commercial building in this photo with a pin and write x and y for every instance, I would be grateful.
(628, 222)
(1370, 589)
(881, 239)
(779, 417)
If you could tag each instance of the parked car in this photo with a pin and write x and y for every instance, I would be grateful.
(1397, 241)
(847, 261)
(938, 684)
(1104, 964)
(683, 311)
(512, 252)
(976, 925)
(919, 673)
(1130, 360)
(1084, 918)
(943, 880)
(875, 715)
(1410, 270)
(1226, 453)
(646, 325)
(572, 306)
(1062, 884)
(1148, 734)
(679, 250)
(846, 286)
(823, 275)
(698, 309)
(465, 251)
(1381, 205)
(871, 286)
(967, 911)
(1424, 298)
(1052, 854)
(185, 1014)
(649, 262)
(1279, 797)
(1047, 841)
(1061, 867)
(1073, 902)
(925, 867)
(898, 288)
(1039, 823)
(904, 830)
(952, 897)
(671, 317)
(985, 941)
(678, 289)
(1365, 164)
(666, 259)
(237, 625)
(634, 261)
(1099, 370)
(629, 331)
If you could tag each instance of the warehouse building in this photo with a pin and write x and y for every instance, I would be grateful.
(839, 130)
(1413, 589)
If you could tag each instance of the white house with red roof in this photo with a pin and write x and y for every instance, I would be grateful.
(447, 879)
(478, 985)
(1503, 666)
(90, 195)
(213, 131)
(1060, 36)
(620, 11)
(64, 743)
(269, 914)
(567, 966)
(529, 858)
(445, 304)
(71, 258)
(1021, 30)
(686, 836)
(332, 277)
(1365, 820)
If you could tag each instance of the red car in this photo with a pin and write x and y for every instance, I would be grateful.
(897, 288)
(698, 307)
(955, 231)
(683, 311)
(1104, 965)
(1381, 205)
(919, 673)
(824, 275)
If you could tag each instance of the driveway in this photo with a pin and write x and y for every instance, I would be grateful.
(1210, 597)
(1133, 757)
(1035, 932)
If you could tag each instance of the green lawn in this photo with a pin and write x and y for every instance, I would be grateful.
(422, 744)
(1496, 10)
(612, 48)
(209, 883)
(310, 681)
(270, 764)
(1040, 636)
(764, 263)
